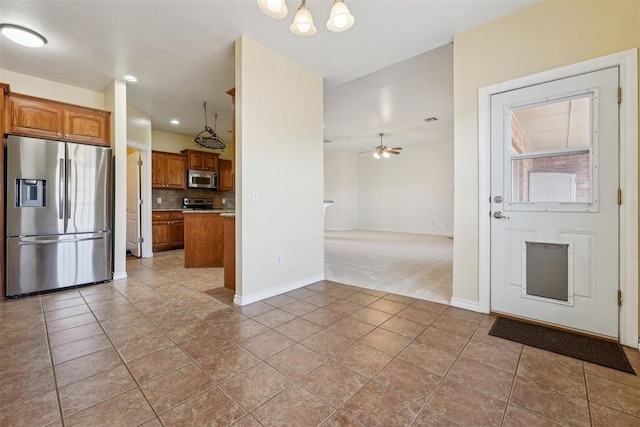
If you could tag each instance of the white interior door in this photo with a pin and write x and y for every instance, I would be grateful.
(133, 204)
(554, 205)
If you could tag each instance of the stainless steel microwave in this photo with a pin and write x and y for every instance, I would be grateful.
(202, 179)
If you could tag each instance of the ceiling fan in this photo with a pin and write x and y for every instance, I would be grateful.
(384, 151)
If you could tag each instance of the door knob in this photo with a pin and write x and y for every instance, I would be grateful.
(499, 215)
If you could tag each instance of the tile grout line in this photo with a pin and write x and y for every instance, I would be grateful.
(53, 368)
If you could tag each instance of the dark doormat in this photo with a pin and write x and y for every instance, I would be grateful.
(589, 349)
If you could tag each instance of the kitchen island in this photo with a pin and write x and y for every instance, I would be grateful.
(203, 238)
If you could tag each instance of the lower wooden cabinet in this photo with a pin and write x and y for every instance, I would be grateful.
(168, 230)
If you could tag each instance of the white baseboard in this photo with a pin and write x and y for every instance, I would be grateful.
(268, 293)
(340, 229)
(466, 304)
(120, 275)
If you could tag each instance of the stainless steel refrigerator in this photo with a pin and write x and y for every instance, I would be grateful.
(58, 214)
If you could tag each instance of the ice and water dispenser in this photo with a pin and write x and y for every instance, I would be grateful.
(31, 193)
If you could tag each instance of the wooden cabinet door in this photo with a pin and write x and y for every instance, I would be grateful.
(177, 233)
(86, 126)
(161, 230)
(225, 175)
(157, 169)
(176, 171)
(35, 118)
(195, 160)
(211, 162)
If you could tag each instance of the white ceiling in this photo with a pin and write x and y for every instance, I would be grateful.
(182, 52)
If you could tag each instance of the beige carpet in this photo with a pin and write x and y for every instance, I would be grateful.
(415, 265)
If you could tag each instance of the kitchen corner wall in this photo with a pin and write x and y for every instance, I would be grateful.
(278, 175)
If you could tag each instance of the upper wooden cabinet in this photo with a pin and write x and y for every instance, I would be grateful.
(201, 160)
(225, 175)
(42, 118)
(168, 170)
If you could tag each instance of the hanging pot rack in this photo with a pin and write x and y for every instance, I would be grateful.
(208, 137)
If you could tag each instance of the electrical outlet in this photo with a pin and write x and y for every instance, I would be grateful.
(255, 196)
(224, 201)
(278, 260)
(159, 200)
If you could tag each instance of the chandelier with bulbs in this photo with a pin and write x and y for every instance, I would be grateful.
(340, 19)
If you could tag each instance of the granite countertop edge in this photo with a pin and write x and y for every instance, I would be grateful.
(215, 210)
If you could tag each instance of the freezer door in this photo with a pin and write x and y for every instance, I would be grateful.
(35, 186)
(88, 188)
(50, 262)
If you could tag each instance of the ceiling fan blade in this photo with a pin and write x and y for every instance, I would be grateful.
(393, 152)
(396, 148)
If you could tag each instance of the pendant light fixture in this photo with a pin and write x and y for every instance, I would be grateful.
(303, 21)
(340, 19)
(273, 8)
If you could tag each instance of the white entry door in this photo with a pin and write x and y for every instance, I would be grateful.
(133, 204)
(554, 202)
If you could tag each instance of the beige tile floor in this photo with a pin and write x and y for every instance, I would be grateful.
(167, 347)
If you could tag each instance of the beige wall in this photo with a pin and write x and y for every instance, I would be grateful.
(116, 101)
(138, 127)
(542, 37)
(29, 85)
(280, 159)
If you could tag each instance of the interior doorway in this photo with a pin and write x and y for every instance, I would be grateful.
(138, 226)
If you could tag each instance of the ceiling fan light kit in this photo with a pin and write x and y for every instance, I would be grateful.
(382, 151)
(340, 19)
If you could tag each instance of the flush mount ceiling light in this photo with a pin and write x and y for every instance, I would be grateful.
(174, 122)
(23, 36)
(340, 19)
(130, 78)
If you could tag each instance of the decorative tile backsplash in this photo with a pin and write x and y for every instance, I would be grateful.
(172, 199)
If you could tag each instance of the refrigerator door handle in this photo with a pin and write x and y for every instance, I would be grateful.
(61, 191)
(68, 185)
(46, 242)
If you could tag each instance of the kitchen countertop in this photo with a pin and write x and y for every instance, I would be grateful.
(214, 210)
(208, 211)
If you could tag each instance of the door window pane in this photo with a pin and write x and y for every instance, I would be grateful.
(551, 152)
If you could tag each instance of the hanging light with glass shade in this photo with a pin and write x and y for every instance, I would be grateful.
(340, 19)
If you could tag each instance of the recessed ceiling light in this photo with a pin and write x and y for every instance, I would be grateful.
(175, 122)
(130, 78)
(22, 35)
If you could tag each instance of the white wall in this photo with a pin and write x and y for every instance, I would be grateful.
(279, 152)
(411, 192)
(341, 186)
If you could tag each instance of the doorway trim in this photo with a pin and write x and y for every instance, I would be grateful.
(628, 63)
(145, 192)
